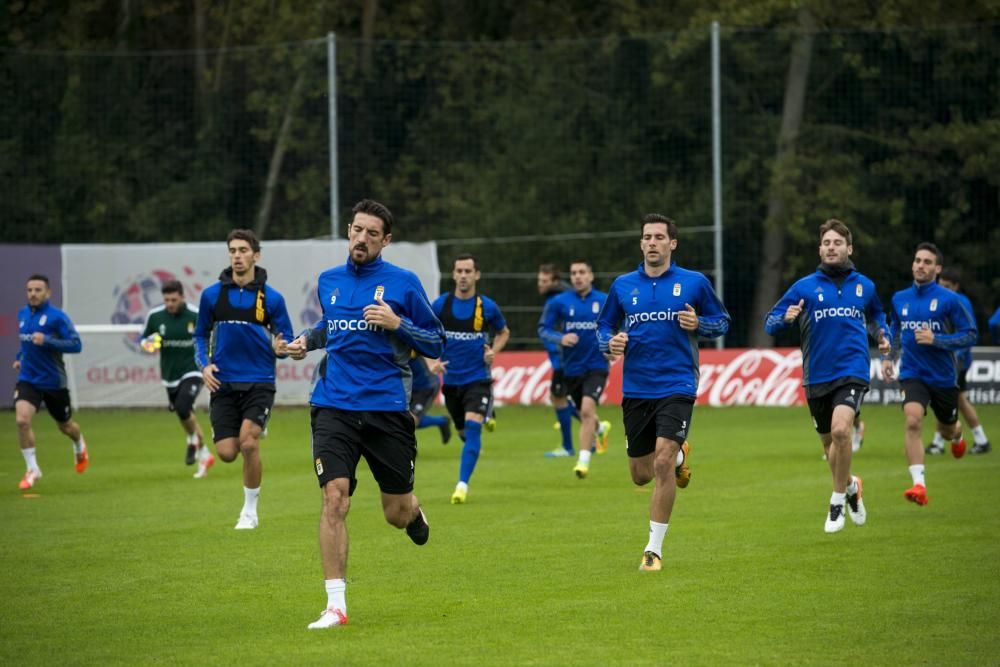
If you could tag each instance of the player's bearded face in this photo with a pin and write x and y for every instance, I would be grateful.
(37, 291)
(366, 238)
(925, 266)
(833, 249)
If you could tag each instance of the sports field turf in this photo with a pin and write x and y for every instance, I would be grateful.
(135, 562)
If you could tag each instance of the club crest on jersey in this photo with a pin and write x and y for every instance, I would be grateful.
(595, 307)
(379, 291)
(677, 289)
(858, 291)
(933, 305)
(42, 320)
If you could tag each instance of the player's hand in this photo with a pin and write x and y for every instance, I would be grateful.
(208, 375)
(884, 346)
(436, 366)
(924, 336)
(569, 340)
(297, 348)
(488, 355)
(793, 311)
(888, 372)
(16, 365)
(280, 345)
(38, 338)
(688, 318)
(380, 314)
(617, 343)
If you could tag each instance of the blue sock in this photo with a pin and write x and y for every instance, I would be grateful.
(470, 452)
(566, 426)
(428, 420)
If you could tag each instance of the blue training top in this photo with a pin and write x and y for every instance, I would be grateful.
(554, 350)
(234, 328)
(367, 366)
(571, 313)
(661, 358)
(939, 309)
(42, 365)
(468, 327)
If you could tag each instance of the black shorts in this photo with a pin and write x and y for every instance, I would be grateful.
(591, 384)
(386, 439)
(557, 385)
(943, 400)
(183, 396)
(962, 384)
(473, 397)
(421, 399)
(821, 407)
(237, 401)
(56, 400)
(647, 419)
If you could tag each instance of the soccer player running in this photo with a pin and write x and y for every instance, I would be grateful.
(654, 316)
(836, 308)
(570, 320)
(469, 318)
(374, 314)
(951, 278)
(232, 340)
(46, 333)
(550, 286)
(929, 325)
(169, 330)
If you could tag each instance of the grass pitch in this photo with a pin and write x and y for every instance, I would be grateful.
(135, 562)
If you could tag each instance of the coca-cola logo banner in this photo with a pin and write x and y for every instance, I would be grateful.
(737, 376)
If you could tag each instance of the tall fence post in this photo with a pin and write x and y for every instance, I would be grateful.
(331, 73)
(717, 169)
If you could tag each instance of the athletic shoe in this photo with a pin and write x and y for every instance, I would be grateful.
(82, 458)
(458, 497)
(247, 521)
(856, 506)
(602, 438)
(650, 562)
(203, 466)
(445, 432)
(418, 530)
(958, 448)
(917, 494)
(933, 449)
(984, 448)
(581, 470)
(29, 479)
(557, 426)
(328, 619)
(683, 472)
(558, 453)
(835, 519)
(859, 437)
(490, 424)
(191, 455)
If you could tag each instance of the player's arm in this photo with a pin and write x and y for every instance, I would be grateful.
(609, 321)
(419, 327)
(281, 323)
(787, 310)
(713, 318)
(203, 330)
(877, 327)
(965, 333)
(548, 322)
(66, 340)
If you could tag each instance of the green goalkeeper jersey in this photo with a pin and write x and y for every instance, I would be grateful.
(177, 342)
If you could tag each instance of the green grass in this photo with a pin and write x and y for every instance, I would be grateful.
(136, 562)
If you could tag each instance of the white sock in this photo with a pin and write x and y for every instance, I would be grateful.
(938, 439)
(250, 500)
(335, 598)
(79, 445)
(838, 498)
(192, 438)
(657, 531)
(204, 452)
(852, 488)
(462, 486)
(584, 457)
(29, 458)
(917, 473)
(979, 435)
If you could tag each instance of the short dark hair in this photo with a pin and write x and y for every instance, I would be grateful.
(172, 287)
(582, 261)
(39, 276)
(550, 270)
(837, 226)
(659, 219)
(951, 274)
(244, 235)
(372, 207)
(467, 255)
(927, 245)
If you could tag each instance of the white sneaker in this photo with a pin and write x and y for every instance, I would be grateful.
(29, 479)
(856, 506)
(558, 453)
(329, 618)
(835, 519)
(204, 464)
(249, 521)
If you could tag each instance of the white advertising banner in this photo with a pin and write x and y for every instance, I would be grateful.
(118, 284)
